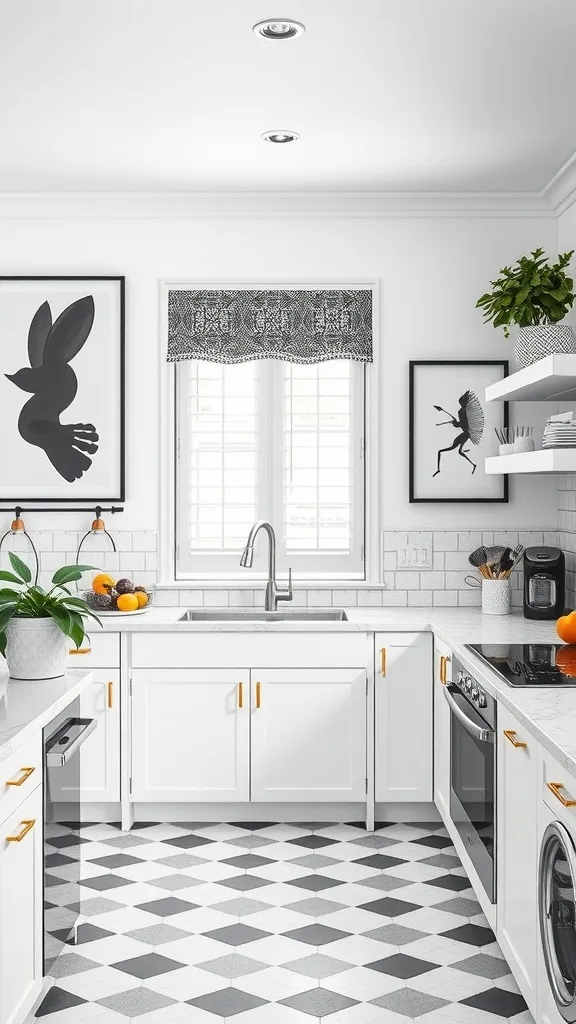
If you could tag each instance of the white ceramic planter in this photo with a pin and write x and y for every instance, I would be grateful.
(35, 649)
(533, 343)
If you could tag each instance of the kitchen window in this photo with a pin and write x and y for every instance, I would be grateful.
(271, 440)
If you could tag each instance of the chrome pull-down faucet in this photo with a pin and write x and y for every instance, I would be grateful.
(274, 593)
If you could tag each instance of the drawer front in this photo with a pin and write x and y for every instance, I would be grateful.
(20, 773)
(99, 650)
(226, 650)
(559, 790)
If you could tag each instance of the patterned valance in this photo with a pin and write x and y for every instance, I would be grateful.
(296, 326)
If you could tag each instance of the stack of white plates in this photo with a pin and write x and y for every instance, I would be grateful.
(559, 435)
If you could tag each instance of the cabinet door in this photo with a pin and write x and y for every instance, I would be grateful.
(517, 850)
(442, 675)
(21, 910)
(308, 734)
(100, 753)
(190, 734)
(403, 741)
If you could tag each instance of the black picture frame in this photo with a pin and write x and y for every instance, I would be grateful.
(119, 493)
(414, 364)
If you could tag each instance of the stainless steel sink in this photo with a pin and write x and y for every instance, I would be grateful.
(254, 615)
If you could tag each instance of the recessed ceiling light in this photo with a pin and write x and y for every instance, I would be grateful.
(280, 136)
(279, 28)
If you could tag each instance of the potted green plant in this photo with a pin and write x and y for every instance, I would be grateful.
(536, 295)
(36, 625)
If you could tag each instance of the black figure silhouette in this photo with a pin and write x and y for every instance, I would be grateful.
(469, 421)
(53, 384)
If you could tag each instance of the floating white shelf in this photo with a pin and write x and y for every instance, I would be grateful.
(551, 460)
(552, 379)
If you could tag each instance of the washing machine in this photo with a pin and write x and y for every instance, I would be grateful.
(557, 917)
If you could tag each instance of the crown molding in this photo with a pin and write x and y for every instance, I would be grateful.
(560, 192)
(178, 205)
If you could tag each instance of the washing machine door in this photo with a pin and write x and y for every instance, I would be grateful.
(557, 911)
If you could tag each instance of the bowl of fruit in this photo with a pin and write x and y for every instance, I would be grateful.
(117, 597)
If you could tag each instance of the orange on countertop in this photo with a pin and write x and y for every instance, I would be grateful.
(103, 583)
(566, 628)
(141, 597)
(127, 602)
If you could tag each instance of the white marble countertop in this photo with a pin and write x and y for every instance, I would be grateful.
(28, 705)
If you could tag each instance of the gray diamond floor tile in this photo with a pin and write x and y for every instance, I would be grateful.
(247, 860)
(315, 907)
(167, 907)
(460, 905)
(241, 907)
(148, 966)
(249, 842)
(95, 905)
(317, 966)
(234, 965)
(227, 1002)
(181, 860)
(374, 842)
(395, 934)
(313, 861)
(157, 934)
(173, 882)
(103, 882)
(136, 1001)
(442, 860)
(409, 1002)
(319, 1002)
(117, 860)
(237, 934)
(384, 882)
(125, 841)
(483, 965)
(316, 883)
(68, 964)
(244, 883)
(316, 934)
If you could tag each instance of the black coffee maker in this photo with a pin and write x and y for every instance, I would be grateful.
(543, 583)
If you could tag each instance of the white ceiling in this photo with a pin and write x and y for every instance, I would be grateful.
(388, 95)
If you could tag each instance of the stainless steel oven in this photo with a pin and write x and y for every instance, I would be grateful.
(473, 772)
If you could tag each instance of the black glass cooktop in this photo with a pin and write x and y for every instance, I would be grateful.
(530, 664)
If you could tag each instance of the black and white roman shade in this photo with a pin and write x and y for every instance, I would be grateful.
(297, 326)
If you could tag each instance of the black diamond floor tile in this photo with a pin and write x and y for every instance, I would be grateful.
(389, 907)
(455, 882)
(313, 842)
(402, 966)
(475, 934)
(148, 966)
(167, 907)
(438, 842)
(314, 883)
(187, 842)
(379, 860)
(227, 1002)
(58, 999)
(498, 1001)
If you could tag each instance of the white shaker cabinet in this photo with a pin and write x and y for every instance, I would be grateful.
(190, 734)
(100, 754)
(21, 881)
(442, 675)
(517, 850)
(403, 734)
(308, 734)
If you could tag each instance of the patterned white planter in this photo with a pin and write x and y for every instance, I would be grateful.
(35, 649)
(533, 343)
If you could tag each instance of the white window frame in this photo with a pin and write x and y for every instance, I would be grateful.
(168, 576)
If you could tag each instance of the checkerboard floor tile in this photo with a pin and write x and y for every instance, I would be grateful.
(270, 923)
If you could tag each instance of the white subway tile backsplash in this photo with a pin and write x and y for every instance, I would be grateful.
(469, 540)
(407, 580)
(216, 598)
(432, 580)
(445, 541)
(420, 598)
(445, 598)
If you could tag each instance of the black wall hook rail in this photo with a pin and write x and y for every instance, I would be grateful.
(97, 509)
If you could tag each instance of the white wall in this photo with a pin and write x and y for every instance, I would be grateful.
(567, 485)
(431, 270)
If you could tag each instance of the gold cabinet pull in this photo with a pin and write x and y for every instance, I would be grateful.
(28, 826)
(258, 694)
(110, 689)
(443, 669)
(240, 695)
(80, 650)
(555, 788)
(25, 773)
(511, 734)
(383, 661)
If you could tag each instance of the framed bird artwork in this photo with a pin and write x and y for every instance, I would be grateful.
(452, 430)
(61, 389)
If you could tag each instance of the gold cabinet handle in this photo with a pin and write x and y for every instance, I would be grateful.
(110, 689)
(383, 661)
(80, 650)
(443, 669)
(555, 788)
(28, 826)
(258, 695)
(511, 734)
(25, 774)
(240, 695)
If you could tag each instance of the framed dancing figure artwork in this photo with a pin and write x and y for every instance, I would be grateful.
(452, 430)
(61, 389)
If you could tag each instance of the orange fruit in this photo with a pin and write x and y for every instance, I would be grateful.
(127, 602)
(142, 598)
(566, 661)
(566, 628)
(102, 583)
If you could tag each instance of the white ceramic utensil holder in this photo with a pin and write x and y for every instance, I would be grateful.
(523, 444)
(506, 449)
(496, 597)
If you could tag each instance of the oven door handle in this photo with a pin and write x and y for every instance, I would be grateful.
(484, 735)
(57, 758)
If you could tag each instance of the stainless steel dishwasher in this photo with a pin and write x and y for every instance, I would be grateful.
(63, 740)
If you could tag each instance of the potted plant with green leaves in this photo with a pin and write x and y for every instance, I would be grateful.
(36, 625)
(536, 295)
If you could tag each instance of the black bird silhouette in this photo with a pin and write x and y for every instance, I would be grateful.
(54, 384)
